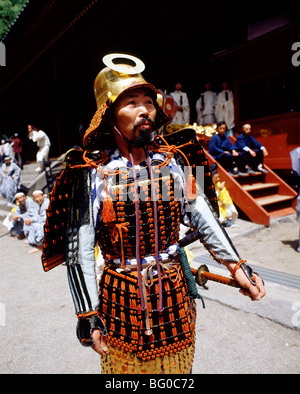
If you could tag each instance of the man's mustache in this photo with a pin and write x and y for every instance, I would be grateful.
(142, 121)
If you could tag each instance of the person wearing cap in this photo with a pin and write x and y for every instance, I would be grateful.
(10, 179)
(26, 208)
(128, 194)
(34, 224)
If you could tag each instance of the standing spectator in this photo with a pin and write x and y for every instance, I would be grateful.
(182, 115)
(225, 108)
(17, 146)
(253, 149)
(43, 143)
(205, 106)
(34, 225)
(295, 157)
(10, 179)
(222, 150)
(2, 154)
(6, 148)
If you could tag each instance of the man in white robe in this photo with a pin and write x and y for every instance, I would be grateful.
(43, 143)
(10, 179)
(205, 106)
(34, 226)
(182, 115)
(26, 208)
(225, 108)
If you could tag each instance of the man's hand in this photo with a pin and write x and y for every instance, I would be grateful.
(255, 292)
(252, 153)
(99, 343)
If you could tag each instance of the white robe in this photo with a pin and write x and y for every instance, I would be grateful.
(181, 117)
(43, 143)
(225, 108)
(206, 112)
(10, 180)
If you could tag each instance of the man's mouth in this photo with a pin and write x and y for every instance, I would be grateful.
(144, 124)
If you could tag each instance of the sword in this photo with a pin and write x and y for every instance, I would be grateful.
(202, 275)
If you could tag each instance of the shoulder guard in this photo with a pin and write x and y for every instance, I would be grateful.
(55, 229)
(189, 144)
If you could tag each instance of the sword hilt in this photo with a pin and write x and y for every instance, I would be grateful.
(202, 275)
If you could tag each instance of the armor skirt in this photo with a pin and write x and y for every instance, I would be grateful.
(148, 337)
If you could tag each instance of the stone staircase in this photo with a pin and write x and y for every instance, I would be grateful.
(262, 197)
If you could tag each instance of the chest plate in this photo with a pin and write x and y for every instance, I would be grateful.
(114, 237)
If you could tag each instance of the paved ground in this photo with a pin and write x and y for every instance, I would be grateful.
(234, 335)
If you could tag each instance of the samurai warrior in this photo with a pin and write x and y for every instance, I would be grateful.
(127, 193)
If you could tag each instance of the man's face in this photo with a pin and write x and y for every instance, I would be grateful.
(21, 200)
(247, 129)
(178, 86)
(221, 130)
(135, 115)
(39, 198)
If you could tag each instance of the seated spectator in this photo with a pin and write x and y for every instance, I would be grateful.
(228, 212)
(34, 225)
(26, 208)
(10, 179)
(222, 150)
(254, 150)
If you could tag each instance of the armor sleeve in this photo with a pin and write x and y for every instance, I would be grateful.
(69, 232)
(213, 236)
(80, 254)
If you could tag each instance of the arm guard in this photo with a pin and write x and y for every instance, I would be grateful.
(85, 326)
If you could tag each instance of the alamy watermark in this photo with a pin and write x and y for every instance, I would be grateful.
(123, 189)
(296, 56)
(2, 54)
(2, 315)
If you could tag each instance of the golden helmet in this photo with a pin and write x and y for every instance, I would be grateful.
(122, 72)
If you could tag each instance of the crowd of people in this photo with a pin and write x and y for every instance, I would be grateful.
(28, 214)
(245, 154)
(27, 218)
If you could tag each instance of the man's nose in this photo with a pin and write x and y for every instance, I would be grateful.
(142, 109)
